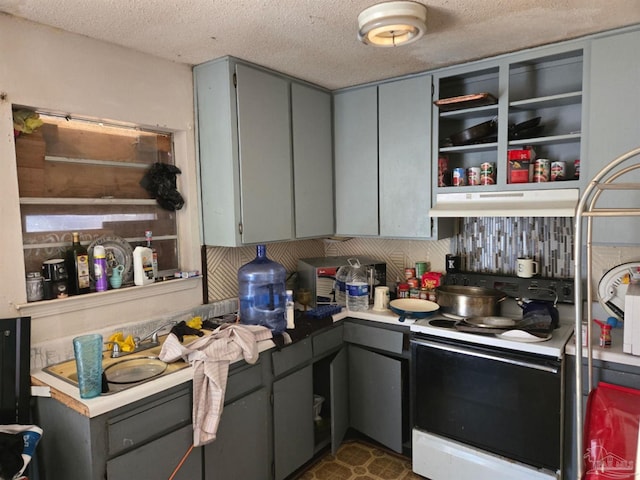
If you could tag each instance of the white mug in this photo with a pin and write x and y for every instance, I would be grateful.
(527, 267)
(381, 298)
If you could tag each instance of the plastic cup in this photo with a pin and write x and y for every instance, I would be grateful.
(88, 353)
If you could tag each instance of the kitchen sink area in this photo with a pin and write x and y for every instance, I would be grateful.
(124, 372)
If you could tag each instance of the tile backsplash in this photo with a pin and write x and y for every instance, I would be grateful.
(223, 262)
(493, 244)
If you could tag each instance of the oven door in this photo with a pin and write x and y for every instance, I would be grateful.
(501, 401)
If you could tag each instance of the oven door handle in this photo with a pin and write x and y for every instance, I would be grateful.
(489, 356)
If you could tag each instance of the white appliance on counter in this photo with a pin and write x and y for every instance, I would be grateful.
(631, 333)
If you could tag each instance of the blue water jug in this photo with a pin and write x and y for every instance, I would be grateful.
(262, 292)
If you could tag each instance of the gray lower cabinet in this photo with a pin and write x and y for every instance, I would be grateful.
(160, 458)
(375, 396)
(378, 382)
(120, 443)
(293, 421)
(241, 449)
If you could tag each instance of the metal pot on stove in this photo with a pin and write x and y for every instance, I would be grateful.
(466, 302)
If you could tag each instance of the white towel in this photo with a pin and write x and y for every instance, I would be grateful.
(210, 357)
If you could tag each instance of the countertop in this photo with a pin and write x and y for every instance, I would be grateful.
(613, 354)
(47, 385)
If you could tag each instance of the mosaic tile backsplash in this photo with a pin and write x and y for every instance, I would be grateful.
(493, 244)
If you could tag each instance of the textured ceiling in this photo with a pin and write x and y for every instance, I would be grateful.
(316, 39)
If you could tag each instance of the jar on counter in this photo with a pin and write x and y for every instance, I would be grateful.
(403, 290)
(35, 287)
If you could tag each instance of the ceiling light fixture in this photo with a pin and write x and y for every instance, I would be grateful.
(392, 24)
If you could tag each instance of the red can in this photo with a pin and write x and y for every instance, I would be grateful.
(413, 283)
(409, 272)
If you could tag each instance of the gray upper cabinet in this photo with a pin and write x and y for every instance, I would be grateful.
(614, 126)
(404, 134)
(312, 161)
(255, 129)
(356, 161)
(382, 137)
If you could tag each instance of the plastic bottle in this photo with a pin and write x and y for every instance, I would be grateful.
(100, 268)
(340, 285)
(148, 235)
(142, 266)
(290, 304)
(357, 289)
(261, 292)
(77, 263)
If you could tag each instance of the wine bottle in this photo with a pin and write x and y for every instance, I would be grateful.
(77, 262)
(148, 234)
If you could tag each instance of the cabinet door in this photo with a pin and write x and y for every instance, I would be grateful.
(375, 396)
(243, 430)
(356, 161)
(293, 421)
(159, 459)
(339, 384)
(265, 155)
(404, 119)
(614, 123)
(312, 161)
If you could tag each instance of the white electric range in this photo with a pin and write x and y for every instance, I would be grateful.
(488, 406)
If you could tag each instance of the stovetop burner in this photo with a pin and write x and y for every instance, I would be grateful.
(443, 323)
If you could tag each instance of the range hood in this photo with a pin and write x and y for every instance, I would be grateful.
(527, 203)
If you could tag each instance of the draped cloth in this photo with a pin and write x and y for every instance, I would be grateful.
(210, 357)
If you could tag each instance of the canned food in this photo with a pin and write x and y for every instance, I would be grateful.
(473, 176)
(459, 177)
(35, 287)
(409, 273)
(413, 283)
(487, 173)
(414, 293)
(558, 171)
(542, 170)
(403, 290)
(421, 267)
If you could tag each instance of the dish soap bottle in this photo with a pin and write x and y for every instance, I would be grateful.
(143, 266)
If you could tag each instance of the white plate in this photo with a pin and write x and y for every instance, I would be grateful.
(522, 336)
(613, 286)
(118, 252)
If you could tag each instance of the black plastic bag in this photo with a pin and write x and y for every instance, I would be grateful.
(160, 181)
